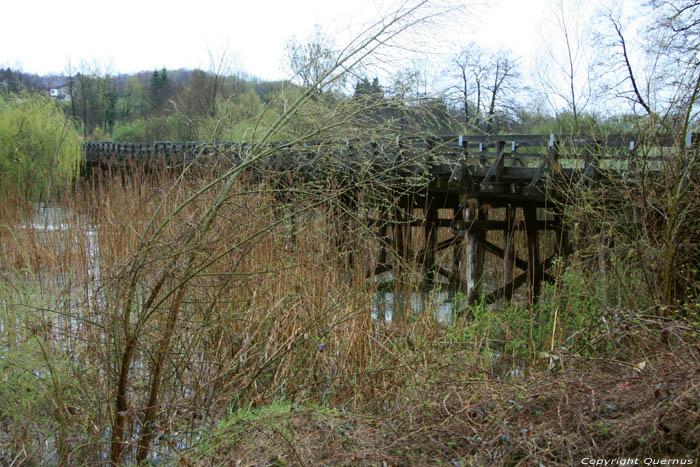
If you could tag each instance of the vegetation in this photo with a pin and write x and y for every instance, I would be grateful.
(206, 314)
(38, 147)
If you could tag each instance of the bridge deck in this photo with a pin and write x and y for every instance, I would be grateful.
(489, 165)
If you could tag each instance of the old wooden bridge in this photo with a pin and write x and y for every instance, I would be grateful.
(458, 188)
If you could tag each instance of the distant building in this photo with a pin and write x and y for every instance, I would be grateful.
(60, 92)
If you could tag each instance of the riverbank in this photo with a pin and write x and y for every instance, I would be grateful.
(276, 353)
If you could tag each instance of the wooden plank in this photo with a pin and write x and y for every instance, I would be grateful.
(430, 239)
(510, 258)
(508, 290)
(496, 169)
(473, 252)
(534, 279)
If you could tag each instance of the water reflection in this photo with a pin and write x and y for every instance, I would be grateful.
(393, 304)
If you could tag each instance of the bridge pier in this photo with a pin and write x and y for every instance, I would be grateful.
(469, 244)
(509, 256)
(475, 236)
(534, 280)
(430, 239)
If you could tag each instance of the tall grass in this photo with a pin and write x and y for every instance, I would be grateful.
(272, 321)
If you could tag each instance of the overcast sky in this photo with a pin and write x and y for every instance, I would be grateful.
(136, 35)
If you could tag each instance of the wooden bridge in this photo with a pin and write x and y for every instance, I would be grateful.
(467, 185)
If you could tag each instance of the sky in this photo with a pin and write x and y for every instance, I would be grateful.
(134, 35)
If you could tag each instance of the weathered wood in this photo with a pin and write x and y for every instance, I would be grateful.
(458, 251)
(534, 279)
(509, 258)
(519, 263)
(474, 254)
(520, 280)
(492, 179)
(430, 246)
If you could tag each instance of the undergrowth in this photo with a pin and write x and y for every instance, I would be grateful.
(276, 360)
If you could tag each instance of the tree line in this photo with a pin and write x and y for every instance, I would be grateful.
(587, 78)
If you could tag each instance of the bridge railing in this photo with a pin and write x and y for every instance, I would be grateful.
(526, 146)
(459, 162)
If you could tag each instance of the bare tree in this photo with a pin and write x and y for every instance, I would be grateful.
(483, 78)
(564, 68)
(661, 75)
(310, 61)
(502, 77)
(167, 296)
(469, 69)
(676, 32)
(627, 73)
(408, 84)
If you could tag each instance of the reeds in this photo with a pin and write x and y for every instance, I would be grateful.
(275, 320)
(266, 321)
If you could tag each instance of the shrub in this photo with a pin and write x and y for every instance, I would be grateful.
(134, 130)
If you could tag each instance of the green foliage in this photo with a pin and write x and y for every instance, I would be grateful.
(163, 128)
(39, 147)
(235, 118)
(159, 88)
(134, 130)
(363, 88)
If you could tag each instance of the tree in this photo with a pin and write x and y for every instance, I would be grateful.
(93, 98)
(469, 68)
(501, 77)
(659, 78)
(407, 84)
(481, 74)
(159, 88)
(372, 91)
(39, 146)
(564, 68)
(70, 81)
(133, 100)
(197, 219)
(206, 89)
(311, 61)
(656, 223)
(676, 32)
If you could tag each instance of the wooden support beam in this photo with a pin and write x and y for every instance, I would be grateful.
(498, 251)
(490, 224)
(399, 232)
(549, 162)
(458, 254)
(430, 245)
(492, 179)
(445, 273)
(508, 290)
(533, 253)
(437, 247)
(503, 225)
(519, 263)
(379, 269)
(473, 252)
(509, 256)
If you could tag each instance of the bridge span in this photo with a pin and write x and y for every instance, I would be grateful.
(459, 188)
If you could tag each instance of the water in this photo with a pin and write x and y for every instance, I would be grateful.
(391, 303)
